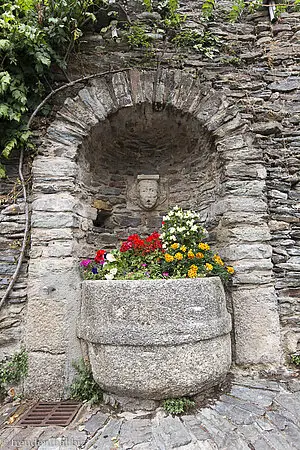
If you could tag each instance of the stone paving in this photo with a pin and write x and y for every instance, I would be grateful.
(254, 414)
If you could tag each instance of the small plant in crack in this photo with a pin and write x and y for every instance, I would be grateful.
(13, 369)
(295, 359)
(178, 405)
(84, 387)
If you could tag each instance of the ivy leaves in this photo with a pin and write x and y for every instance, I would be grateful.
(33, 35)
(25, 56)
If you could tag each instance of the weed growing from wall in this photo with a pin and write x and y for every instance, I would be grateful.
(84, 387)
(12, 370)
(207, 44)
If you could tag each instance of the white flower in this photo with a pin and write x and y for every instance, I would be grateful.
(194, 228)
(110, 257)
(173, 238)
(164, 246)
(172, 230)
(113, 271)
(109, 276)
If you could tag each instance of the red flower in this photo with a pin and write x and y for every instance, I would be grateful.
(100, 256)
(125, 246)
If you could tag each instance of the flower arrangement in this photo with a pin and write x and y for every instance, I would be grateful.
(179, 251)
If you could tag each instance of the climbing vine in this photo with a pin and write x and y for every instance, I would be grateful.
(33, 36)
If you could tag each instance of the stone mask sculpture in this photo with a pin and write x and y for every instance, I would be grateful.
(148, 190)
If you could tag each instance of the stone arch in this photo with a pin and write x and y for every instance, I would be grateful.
(61, 216)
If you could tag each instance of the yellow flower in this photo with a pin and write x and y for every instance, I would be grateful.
(192, 272)
(183, 248)
(230, 270)
(218, 260)
(203, 246)
(209, 267)
(179, 256)
(175, 246)
(191, 254)
(199, 255)
(168, 257)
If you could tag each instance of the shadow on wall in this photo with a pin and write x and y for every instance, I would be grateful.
(170, 148)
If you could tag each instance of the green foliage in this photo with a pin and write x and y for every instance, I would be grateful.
(12, 370)
(178, 405)
(208, 8)
(295, 359)
(206, 43)
(236, 10)
(254, 5)
(148, 5)
(168, 11)
(137, 37)
(240, 6)
(281, 8)
(84, 387)
(33, 35)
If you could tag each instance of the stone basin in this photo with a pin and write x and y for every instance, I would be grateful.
(156, 338)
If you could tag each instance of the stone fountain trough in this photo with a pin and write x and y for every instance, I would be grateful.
(156, 339)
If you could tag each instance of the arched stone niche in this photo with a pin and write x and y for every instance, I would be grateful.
(163, 123)
(132, 147)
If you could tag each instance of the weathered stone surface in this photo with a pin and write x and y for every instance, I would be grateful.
(170, 433)
(55, 202)
(45, 376)
(160, 371)
(230, 423)
(257, 331)
(189, 353)
(129, 312)
(287, 85)
(46, 330)
(42, 219)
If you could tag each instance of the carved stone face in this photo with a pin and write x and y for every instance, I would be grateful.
(148, 190)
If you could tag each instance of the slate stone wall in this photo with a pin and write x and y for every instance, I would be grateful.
(12, 224)
(256, 201)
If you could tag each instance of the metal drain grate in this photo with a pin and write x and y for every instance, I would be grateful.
(50, 413)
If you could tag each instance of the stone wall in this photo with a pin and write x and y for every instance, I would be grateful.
(143, 140)
(71, 170)
(258, 70)
(247, 144)
(12, 224)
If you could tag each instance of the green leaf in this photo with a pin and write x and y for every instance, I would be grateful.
(5, 80)
(4, 44)
(9, 147)
(2, 171)
(4, 110)
(43, 58)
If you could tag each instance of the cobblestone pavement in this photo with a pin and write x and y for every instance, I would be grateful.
(255, 414)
